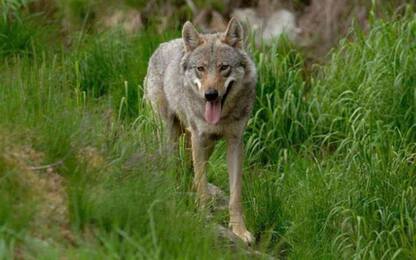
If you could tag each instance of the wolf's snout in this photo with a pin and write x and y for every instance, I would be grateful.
(211, 95)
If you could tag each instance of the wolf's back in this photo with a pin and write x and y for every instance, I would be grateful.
(165, 54)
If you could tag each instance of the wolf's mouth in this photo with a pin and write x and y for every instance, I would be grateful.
(226, 93)
(213, 111)
(213, 108)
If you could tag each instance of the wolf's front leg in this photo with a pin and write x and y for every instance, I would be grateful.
(235, 172)
(202, 149)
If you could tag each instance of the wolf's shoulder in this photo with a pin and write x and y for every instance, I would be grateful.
(172, 44)
(167, 52)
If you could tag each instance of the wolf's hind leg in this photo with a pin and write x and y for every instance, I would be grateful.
(188, 149)
(173, 131)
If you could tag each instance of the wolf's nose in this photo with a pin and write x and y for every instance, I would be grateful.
(211, 95)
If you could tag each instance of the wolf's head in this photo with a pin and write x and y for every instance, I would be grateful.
(214, 65)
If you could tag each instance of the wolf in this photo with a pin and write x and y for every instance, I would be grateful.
(204, 85)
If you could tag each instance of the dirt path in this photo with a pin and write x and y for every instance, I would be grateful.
(46, 188)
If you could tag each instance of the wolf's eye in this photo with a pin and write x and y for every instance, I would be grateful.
(200, 68)
(224, 67)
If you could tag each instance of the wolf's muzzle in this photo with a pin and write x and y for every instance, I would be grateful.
(211, 95)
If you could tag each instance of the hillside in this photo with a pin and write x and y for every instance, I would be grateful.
(329, 150)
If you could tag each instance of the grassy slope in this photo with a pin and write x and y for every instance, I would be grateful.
(329, 164)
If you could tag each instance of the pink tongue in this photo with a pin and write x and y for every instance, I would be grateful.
(212, 112)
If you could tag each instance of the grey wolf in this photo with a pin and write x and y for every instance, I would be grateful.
(205, 84)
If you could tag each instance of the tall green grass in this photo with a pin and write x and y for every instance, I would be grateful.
(357, 147)
(282, 117)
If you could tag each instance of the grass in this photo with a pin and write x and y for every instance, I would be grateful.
(329, 169)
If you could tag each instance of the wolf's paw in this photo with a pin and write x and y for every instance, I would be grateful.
(243, 234)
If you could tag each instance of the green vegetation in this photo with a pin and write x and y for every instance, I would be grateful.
(330, 157)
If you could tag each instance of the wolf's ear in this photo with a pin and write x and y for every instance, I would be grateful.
(190, 36)
(234, 35)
